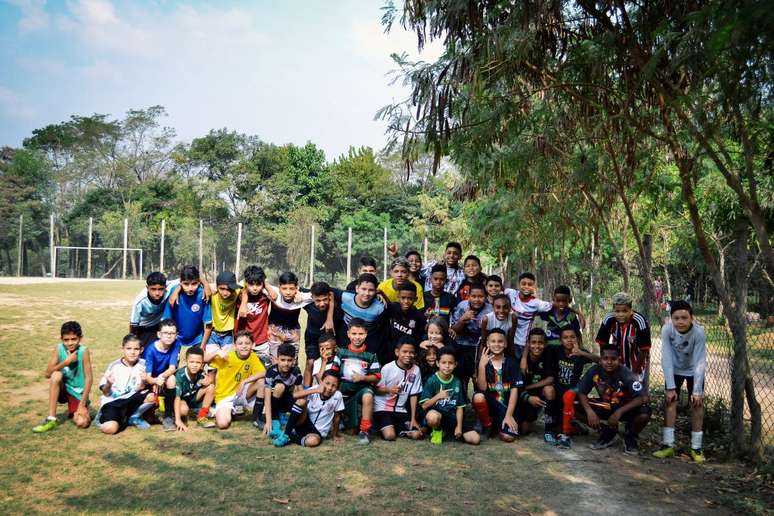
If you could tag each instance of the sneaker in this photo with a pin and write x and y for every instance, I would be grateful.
(630, 445)
(281, 440)
(664, 452)
(606, 440)
(549, 438)
(436, 436)
(48, 424)
(283, 419)
(564, 442)
(697, 456)
(238, 410)
(138, 422)
(259, 424)
(362, 438)
(276, 429)
(169, 424)
(205, 422)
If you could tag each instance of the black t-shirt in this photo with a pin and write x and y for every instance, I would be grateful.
(315, 321)
(614, 390)
(567, 369)
(539, 369)
(439, 306)
(351, 286)
(410, 324)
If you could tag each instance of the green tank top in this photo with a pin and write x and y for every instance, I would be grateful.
(73, 374)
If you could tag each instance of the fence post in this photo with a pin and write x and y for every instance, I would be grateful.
(238, 249)
(161, 251)
(349, 254)
(201, 242)
(88, 251)
(19, 257)
(126, 244)
(384, 272)
(311, 260)
(52, 253)
(424, 257)
(141, 263)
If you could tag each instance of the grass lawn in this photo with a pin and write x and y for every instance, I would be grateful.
(236, 471)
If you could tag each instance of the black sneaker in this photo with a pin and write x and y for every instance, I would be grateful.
(606, 440)
(630, 445)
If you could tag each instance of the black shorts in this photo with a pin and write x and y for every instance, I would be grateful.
(399, 420)
(312, 346)
(466, 362)
(119, 410)
(282, 404)
(688, 380)
(605, 412)
(303, 429)
(525, 412)
(496, 411)
(147, 334)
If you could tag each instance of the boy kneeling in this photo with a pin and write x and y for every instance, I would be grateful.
(316, 412)
(239, 380)
(498, 382)
(283, 381)
(397, 391)
(194, 390)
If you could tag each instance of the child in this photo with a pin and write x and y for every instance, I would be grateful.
(568, 363)
(400, 385)
(443, 401)
(629, 331)
(360, 370)
(683, 359)
(70, 377)
(428, 362)
(316, 412)
(539, 387)
(525, 306)
(188, 307)
(622, 398)
(494, 287)
(466, 323)
(405, 320)
(399, 272)
(285, 309)
(438, 302)
(415, 268)
(239, 381)
(325, 361)
(161, 358)
(148, 308)
(437, 334)
(367, 266)
(454, 273)
(124, 390)
(561, 316)
(219, 332)
(498, 382)
(283, 381)
(193, 390)
(253, 313)
(365, 306)
(318, 321)
(473, 274)
(501, 317)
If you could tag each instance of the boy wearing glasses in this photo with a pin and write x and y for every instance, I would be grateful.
(161, 358)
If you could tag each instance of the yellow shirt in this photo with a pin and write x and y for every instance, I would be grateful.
(224, 311)
(233, 370)
(392, 294)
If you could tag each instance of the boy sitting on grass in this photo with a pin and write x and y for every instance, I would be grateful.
(148, 308)
(326, 360)
(283, 381)
(219, 332)
(193, 391)
(70, 377)
(239, 380)
(317, 412)
(539, 389)
(161, 358)
(124, 389)
(395, 405)
(444, 402)
(360, 370)
(498, 382)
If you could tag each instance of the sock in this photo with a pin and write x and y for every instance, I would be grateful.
(365, 425)
(548, 415)
(668, 436)
(482, 412)
(142, 409)
(568, 411)
(169, 402)
(258, 410)
(295, 413)
(696, 438)
(51, 418)
(203, 412)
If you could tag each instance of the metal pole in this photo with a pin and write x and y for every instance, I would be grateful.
(19, 257)
(52, 253)
(311, 260)
(384, 272)
(424, 258)
(201, 243)
(126, 244)
(349, 254)
(141, 263)
(161, 251)
(88, 252)
(239, 248)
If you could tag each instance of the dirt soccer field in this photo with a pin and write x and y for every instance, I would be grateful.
(237, 471)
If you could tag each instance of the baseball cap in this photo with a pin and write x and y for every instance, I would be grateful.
(227, 278)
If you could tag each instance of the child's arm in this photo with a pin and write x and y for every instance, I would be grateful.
(178, 418)
(107, 386)
(523, 362)
(581, 317)
(335, 426)
(88, 378)
(548, 380)
(509, 420)
(303, 393)
(440, 395)
(174, 295)
(329, 326)
(458, 428)
(242, 305)
(206, 336)
(413, 401)
(365, 378)
(270, 290)
(484, 334)
(267, 409)
(482, 363)
(578, 352)
(55, 365)
(512, 331)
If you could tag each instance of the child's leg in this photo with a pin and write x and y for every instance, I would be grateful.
(433, 419)
(481, 408)
(110, 427)
(206, 395)
(568, 411)
(169, 397)
(277, 392)
(55, 385)
(223, 413)
(550, 413)
(311, 440)
(258, 407)
(471, 437)
(367, 403)
(183, 409)
(297, 415)
(82, 420)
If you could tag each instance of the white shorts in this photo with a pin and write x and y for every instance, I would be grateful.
(214, 348)
(263, 352)
(227, 403)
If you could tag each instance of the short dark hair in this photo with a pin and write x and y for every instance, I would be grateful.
(288, 278)
(194, 350)
(570, 328)
(71, 327)
(320, 288)
(609, 347)
(167, 323)
(326, 337)
(501, 296)
(357, 322)
(680, 305)
(527, 275)
(243, 333)
(405, 286)
(189, 273)
(563, 289)
(331, 372)
(447, 350)
(536, 331)
(156, 278)
(438, 267)
(498, 331)
(455, 245)
(472, 257)
(477, 285)
(405, 339)
(367, 277)
(129, 337)
(413, 252)
(495, 278)
(367, 261)
(254, 275)
(286, 350)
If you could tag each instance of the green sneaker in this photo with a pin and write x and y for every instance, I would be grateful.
(697, 456)
(665, 452)
(436, 436)
(47, 425)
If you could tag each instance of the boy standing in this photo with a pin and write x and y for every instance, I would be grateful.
(193, 390)
(498, 382)
(466, 323)
(161, 358)
(367, 266)
(318, 321)
(455, 275)
(683, 359)
(189, 308)
(400, 385)
(561, 316)
(285, 309)
(629, 331)
(253, 313)
(283, 380)
(364, 306)
(70, 377)
(494, 287)
(219, 332)
(360, 370)
(438, 302)
(148, 308)
(525, 305)
(405, 321)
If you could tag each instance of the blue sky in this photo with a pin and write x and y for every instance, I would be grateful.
(288, 71)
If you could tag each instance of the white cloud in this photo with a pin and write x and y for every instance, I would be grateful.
(370, 40)
(34, 15)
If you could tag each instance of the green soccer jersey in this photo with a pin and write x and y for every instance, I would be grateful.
(187, 387)
(356, 362)
(448, 406)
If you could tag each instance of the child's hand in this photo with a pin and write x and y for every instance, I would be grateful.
(592, 419)
(443, 394)
(357, 378)
(395, 389)
(458, 431)
(72, 357)
(424, 344)
(207, 380)
(222, 354)
(337, 439)
(181, 426)
(392, 249)
(510, 423)
(242, 313)
(469, 315)
(576, 351)
(172, 299)
(535, 401)
(110, 380)
(697, 400)
(328, 327)
(267, 427)
(82, 411)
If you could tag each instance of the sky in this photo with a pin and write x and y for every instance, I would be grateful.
(288, 71)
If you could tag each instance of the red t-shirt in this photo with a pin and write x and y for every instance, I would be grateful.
(257, 319)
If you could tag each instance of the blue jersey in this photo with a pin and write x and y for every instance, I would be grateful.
(373, 315)
(471, 333)
(156, 362)
(145, 312)
(190, 313)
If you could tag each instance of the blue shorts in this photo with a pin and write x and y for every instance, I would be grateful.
(222, 339)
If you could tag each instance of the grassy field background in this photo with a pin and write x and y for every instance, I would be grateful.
(203, 471)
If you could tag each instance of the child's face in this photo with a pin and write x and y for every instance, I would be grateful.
(225, 292)
(405, 355)
(476, 299)
(194, 364)
(321, 302)
(329, 386)
(452, 256)
(472, 268)
(399, 273)
(493, 288)
(243, 346)
(288, 291)
(536, 345)
(365, 292)
(434, 333)
(366, 269)
(189, 286)
(254, 288)
(71, 341)
(132, 350)
(167, 335)
(496, 343)
(569, 340)
(285, 363)
(682, 320)
(623, 313)
(155, 292)
(609, 361)
(446, 365)
(415, 263)
(431, 357)
(438, 280)
(502, 308)
(357, 336)
(562, 301)
(327, 349)
(527, 286)
(406, 298)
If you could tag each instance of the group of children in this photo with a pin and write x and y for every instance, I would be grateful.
(404, 357)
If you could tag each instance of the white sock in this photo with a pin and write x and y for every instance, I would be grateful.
(51, 418)
(696, 438)
(668, 434)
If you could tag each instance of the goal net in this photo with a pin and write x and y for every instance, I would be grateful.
(97, 262)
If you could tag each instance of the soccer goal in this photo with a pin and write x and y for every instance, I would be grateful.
(97, 262)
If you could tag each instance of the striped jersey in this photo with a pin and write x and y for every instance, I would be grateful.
(356, 362)
(525, 309)
(410, 382)
(630, 337)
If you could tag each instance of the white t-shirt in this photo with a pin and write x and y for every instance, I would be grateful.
(493, 322)
(525, 312)
(336, 363)
(410, 382)
(321, 412)
(126, 379)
